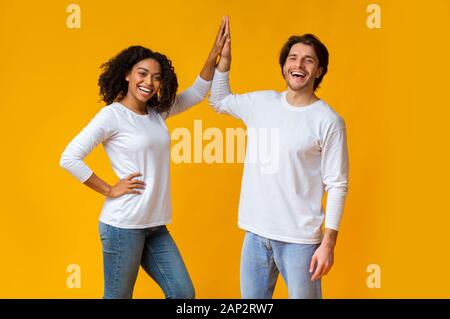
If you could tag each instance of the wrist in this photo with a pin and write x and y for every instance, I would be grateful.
(330, 237)
(223, 66)
(108, 191)
(225, 59)
(212, 57)
(329, 244)
(329, 241)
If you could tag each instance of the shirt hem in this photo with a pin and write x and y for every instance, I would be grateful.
(119, 225)
(278, 237)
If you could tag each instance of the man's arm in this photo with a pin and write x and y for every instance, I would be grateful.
(335, 178)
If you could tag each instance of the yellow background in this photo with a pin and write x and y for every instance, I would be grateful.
(390, 85)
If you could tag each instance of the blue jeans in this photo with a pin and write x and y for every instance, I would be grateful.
(152, 248)
(263, 259)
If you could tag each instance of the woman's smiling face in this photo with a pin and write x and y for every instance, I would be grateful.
(144, 79)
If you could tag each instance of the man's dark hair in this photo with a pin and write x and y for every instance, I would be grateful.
(320, 49)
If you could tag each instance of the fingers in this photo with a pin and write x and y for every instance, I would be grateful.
(313, 263)
(227, 26)
(136, 184)
(318, 273)
(323, 268)
(131, 176)
(222, 41)
(318, 265)
(221, 31)
(327, 269)
(228, 43)
(132, 185)
(130, 191)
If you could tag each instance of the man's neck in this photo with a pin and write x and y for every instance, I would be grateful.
(301, 98)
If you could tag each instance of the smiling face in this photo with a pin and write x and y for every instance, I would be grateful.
(301, 68)
(144, 80)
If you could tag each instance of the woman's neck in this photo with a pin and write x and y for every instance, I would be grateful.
(134, 105)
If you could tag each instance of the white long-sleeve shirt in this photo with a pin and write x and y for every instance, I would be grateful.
(293, 155)
(133, 143)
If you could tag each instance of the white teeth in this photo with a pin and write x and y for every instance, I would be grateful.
(144, 89)
(295, 73)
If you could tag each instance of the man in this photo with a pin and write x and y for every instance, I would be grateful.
(281, 210)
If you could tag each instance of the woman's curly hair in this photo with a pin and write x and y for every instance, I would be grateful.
(113, 85)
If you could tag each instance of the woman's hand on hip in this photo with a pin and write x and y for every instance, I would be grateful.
(128, 185)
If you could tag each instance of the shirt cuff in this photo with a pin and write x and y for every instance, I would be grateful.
(202, 81)
(220, 74)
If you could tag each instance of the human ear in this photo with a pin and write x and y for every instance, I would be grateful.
(319, 72)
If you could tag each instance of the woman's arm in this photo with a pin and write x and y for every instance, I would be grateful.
(124, 186)
(99, 129)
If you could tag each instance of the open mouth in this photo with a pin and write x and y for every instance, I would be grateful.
(144, 89)
(298, 74)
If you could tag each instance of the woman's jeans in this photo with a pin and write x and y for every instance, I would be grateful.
(263, 259)
(152, 248)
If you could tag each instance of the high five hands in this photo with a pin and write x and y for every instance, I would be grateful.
(222, 43)
(221, 48)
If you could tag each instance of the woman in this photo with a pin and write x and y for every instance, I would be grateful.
(139, 87)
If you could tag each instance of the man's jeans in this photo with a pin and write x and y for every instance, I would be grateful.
(263, 259)
(152, 248)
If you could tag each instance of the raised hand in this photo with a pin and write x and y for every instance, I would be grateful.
(220, 40)
(225, 55)
(226, 49)
(207, 71)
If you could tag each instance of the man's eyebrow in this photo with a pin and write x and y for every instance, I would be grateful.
(305, 57)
